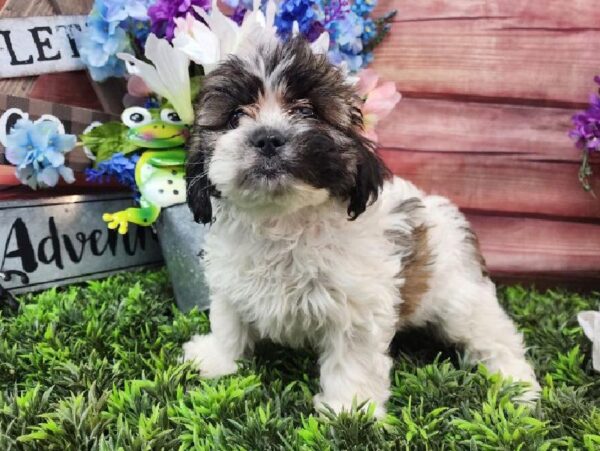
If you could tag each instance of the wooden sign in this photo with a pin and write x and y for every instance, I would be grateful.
(57, 241)
(39, 45)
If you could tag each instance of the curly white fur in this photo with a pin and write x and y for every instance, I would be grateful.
(308, 276)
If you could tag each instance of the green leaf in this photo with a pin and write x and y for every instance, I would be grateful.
(108, 139)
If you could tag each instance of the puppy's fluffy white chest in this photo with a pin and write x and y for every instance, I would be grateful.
(295, 279)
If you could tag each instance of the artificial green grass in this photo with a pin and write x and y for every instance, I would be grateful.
(96, 368)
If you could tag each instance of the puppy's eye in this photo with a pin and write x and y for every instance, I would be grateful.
(234, 118)
(304, 111)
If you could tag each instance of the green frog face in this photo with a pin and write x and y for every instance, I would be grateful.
(154, 128)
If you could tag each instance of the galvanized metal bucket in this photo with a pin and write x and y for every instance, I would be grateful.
(181, 240)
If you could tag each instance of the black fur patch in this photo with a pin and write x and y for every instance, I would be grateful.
(199, 188)
(371, 172)
(228, 87)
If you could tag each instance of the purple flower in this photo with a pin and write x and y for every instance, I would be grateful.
(163, 13)
(336, 10)
(586, 125)
(586, 133)
(238, 14)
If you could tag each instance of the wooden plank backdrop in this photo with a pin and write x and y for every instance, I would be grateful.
(489, 88)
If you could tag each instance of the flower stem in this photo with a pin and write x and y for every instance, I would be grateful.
(585, 171)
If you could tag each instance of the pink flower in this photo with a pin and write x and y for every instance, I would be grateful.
(379, 101)
(136, 87)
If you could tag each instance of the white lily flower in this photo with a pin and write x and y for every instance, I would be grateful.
(254, 18)
(197, 41)
(207, 44)
(295, 28)
(321, 45)
(169, 77)
(590, 323)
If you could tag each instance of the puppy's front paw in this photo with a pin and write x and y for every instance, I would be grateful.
(320, 402)
(208, 357)
(519, 370)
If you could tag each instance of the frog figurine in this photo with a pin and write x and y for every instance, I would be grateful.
(159, 172)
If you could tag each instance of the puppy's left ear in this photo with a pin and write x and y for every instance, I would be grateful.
(199, 187)
(371, 172)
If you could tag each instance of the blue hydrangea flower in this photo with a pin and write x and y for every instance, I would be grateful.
(106, 34)
(369, 30)
(354, 61)
(347, 41)
(119, 166)
(38, 150)
(308, 14)
(138, 29)
(113, 67)
(348, 32)
(120, 10)
(99, 45)
(363, 7)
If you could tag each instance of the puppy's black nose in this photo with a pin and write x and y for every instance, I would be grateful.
(267, 141)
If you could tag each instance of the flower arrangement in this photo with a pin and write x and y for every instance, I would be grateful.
(586, 133)
(179, 32)
(164, 48)
(122, 26)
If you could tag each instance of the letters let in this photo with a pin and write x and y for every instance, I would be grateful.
(42, 39)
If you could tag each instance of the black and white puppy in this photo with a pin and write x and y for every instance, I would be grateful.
(314, 243)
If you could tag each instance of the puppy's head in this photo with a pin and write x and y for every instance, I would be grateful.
(279, 130)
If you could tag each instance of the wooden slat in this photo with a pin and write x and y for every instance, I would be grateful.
(24, 8)
(525, 246)
(20, 86)
(12, 188)
(524, 132)
(486, 57)
(498, 183)
(552, 13)
(69, 88)
(67, 7)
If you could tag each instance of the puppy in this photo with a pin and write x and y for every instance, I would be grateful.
(313, 242)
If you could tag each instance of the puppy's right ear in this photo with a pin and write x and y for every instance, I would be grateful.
(371, 173)
(199, 187)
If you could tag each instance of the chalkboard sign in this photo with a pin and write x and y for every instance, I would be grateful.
(61, 240)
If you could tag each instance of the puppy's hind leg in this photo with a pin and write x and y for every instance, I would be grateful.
(215, 354)
(471, 316)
